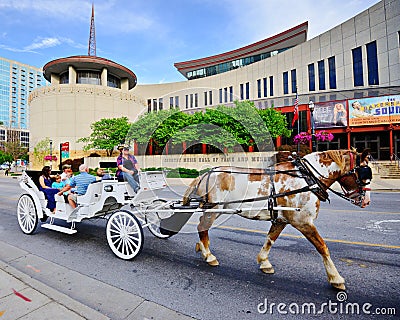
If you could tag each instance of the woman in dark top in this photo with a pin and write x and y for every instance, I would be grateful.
(45, 186)
(128, 169)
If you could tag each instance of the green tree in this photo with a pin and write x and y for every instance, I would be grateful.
(222, 126)
(106, 134)
(41, 149)
(15, 149)
(159, 126)
(5, 157)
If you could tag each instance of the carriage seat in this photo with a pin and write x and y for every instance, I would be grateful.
(92, 195)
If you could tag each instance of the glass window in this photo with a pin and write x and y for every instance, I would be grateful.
(265, 87)
(220, 95)
(357, 67)
(176, 101)
(231, 93)
(210, 98)
(160, 104)
(154, 104)
(196, 100)
(311, 77)
(321, 75)
(372, 63)
(64, 78)
(171, 102)
(186, 101)
(332, 72)
(259, 88)
(226, 94)
(88, 77)
(294, 80)
(241, 91)
(247, 90)
(285, 83)
(113, 81)
(205, 98)
(191, 100)
(271, 86)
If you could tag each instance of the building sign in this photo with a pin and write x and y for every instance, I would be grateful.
(371, 111)
(330, 114)
(65, 150)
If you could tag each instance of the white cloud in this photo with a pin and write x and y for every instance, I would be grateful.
(43, 43)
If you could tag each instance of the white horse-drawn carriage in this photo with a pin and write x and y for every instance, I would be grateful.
(127, 213)
(288, 193)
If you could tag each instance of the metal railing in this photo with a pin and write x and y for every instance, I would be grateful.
(396, 159)
(375, 163)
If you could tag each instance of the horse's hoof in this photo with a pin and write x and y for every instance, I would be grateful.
(268, 270)
(213, 263)
(339, 286)
(212, 260)
(197, 247)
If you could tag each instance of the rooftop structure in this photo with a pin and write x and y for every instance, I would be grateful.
(240, 57)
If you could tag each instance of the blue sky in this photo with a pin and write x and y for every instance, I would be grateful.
(149, 36)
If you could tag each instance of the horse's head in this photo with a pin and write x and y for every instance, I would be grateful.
(356, 177)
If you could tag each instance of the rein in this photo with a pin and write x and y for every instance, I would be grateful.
(305, 171)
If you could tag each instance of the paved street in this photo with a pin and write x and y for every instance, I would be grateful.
(364, 245)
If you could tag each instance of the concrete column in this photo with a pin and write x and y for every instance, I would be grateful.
(124, 84)
(72, 75)
(104, 74)
(54, 79)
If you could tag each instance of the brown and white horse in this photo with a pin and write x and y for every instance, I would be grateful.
(228, 184)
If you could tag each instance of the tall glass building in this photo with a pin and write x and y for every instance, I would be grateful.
(17, 81)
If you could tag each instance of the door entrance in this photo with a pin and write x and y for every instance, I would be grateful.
(372, 142)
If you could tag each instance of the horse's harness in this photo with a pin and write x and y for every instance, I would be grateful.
(306, 171)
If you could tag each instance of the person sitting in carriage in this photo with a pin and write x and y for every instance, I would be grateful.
(81, 182)
(128, 169)
(45, 185)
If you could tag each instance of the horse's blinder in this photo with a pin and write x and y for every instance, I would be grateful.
(362, 176)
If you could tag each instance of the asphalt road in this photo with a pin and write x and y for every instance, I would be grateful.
(364, 245)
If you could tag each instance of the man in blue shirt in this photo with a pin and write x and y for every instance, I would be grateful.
(80, 182)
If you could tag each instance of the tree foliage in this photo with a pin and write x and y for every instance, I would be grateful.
(106, 134)
(41, 149)
(222, 126)
(15, 149)
(5, 157)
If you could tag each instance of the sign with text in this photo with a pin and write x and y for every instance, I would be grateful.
(65, 150)
(330, 114)
(377, 110)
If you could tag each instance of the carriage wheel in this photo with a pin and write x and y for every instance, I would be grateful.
(153, 219)
(27, 214)
(124, 235)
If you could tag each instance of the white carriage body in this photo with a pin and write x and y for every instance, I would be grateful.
(101, 197)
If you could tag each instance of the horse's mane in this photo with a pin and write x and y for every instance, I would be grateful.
(336, 155)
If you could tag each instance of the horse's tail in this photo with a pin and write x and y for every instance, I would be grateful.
(191, 191)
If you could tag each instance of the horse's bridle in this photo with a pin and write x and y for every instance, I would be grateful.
(359, 173)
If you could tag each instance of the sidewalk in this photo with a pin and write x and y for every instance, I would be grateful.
(34, 288)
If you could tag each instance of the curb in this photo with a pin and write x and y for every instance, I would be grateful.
(61, 298)
(113, 303)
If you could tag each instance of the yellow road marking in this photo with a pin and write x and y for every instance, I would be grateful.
(359, 243)
(361, 211)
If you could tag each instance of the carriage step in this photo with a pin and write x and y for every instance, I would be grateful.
(58, 228)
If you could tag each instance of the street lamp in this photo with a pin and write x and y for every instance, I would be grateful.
(311, 107)
(51, 154)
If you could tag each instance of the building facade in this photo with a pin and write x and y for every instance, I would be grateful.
(353, 62)
(17, 81)
(82, 90)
